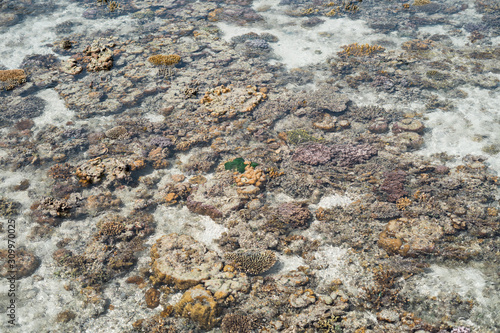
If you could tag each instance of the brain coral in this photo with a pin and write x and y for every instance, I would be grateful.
(252, 262)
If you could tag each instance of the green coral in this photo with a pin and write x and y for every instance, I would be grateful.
(300, 136)
(238, 164)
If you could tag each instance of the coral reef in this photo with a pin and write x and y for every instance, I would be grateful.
(261, 142)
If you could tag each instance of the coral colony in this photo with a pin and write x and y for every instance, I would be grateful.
(282, 166)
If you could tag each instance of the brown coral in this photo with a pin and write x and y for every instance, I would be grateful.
(152, 298)
(252, 262)
(199, 305)
(356, 50)
(164, 59)
(11, 78)
(236, 323)
(181, 261)
(25, 263)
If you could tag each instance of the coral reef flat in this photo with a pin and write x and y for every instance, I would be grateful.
(249, 166)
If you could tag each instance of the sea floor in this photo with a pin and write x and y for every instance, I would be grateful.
(239, 166)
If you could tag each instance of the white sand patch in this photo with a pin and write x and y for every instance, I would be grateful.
(35, 34)
(469, 129)
(298, 46)
(331, 258)
(466, 281)
(287, 264)
(184, 222)
(334, 200)
(56, 112)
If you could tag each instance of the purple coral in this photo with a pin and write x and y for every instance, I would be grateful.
(203, 209)
(313, 154)
(74, 133)
(257, 44)
(161, 141)
(394, 185)
(460, 329)
(350, 155)
(342, 155)
(294, 214)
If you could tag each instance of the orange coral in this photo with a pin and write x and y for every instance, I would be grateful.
(251, 176)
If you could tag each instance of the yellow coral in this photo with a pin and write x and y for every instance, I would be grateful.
(421, 2)
(199, 305)
(402, 203)
(356, 50)
(164, 60)
(273, 173)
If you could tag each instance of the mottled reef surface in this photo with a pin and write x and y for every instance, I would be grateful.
(196, 184)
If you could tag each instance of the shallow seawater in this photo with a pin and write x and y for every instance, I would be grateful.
(249, 166)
